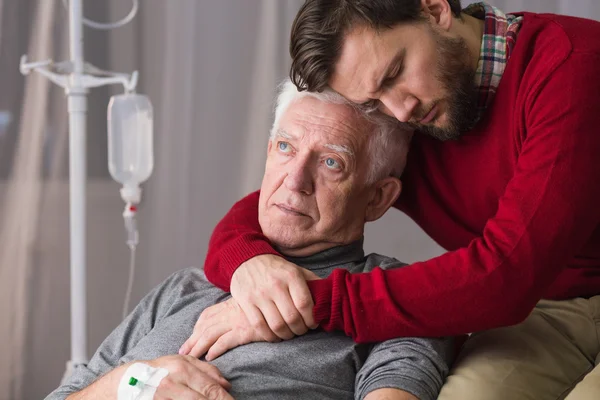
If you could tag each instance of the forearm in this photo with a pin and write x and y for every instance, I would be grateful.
(421, 300)
(105, 387)
(98, 390)
(390, 394)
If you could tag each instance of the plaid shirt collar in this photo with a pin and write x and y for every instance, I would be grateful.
(499, 37)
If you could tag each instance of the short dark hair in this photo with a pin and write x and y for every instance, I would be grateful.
(319, 27)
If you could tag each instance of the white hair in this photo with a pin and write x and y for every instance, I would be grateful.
(388, 142)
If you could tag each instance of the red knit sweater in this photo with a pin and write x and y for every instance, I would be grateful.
(516, 202)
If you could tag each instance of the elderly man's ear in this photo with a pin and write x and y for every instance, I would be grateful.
(386, 192)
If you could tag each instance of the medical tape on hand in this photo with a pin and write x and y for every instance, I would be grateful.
(144, 383)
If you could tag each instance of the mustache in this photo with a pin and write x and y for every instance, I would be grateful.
(422, 112)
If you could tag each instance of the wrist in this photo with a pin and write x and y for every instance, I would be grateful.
(321, 291)
(105, 387)
(265, 259)
(240, 253)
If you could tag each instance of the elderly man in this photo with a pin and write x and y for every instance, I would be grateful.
(329, 170)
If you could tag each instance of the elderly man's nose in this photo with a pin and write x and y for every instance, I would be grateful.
(399, 106)
(299, 178)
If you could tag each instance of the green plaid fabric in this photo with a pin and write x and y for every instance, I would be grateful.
(499, 37)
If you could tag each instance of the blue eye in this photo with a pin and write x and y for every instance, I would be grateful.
(332, 164)
(283, 146)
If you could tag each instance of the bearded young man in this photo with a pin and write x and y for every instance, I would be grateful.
(514, 197)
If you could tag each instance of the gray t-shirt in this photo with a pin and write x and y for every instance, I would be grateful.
(318, 365)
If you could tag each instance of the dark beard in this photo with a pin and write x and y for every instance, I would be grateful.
(459, 81)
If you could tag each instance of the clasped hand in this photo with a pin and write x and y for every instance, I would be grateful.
(270, 302)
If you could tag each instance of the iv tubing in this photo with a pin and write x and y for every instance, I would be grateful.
(132, 242)
(129, 281)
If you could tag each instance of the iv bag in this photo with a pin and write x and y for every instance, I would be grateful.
(130, 149)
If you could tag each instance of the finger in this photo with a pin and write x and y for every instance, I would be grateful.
(213, 322)
(193, 345)
(201, 346)
(275, 320)
(170, 389)
(215, 392)
(303, 301)
(290, 314)
(205, 339)
(208, 387)
(259, 324)
(210, 370)
(187, 346)
(226, 342)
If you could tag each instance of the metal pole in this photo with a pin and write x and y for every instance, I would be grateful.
(76, 84)
(77, 107)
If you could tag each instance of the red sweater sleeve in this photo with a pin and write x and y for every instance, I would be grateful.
(236, 239)
(548, 211)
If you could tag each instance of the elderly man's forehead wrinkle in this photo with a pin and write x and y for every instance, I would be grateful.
(342, 138)
(284, 134)
(343, 127)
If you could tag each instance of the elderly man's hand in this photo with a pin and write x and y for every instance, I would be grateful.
(188, 378)
(272, 302)
(221, 327)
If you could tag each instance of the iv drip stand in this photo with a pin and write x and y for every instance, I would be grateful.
(78, 77)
